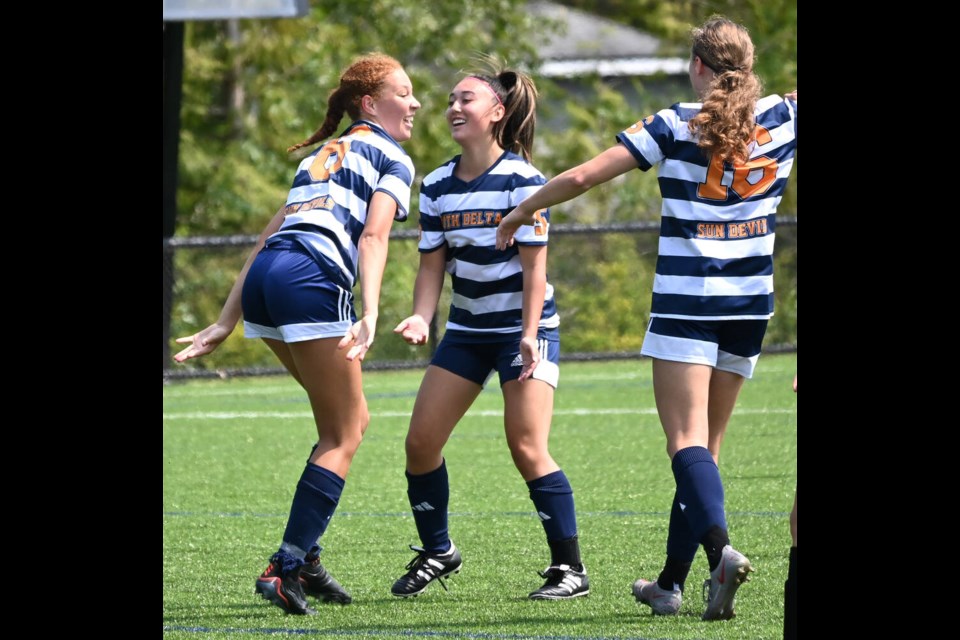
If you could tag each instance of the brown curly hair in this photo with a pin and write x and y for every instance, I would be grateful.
(725, 124)
(364, 77)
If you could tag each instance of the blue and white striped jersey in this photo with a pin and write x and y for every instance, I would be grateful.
(327, 206)
(461, 218)
(717, 222)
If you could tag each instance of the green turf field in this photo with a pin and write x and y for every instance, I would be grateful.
(233, 452)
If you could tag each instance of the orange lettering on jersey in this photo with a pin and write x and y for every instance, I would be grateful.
(470, 219)
(711, 230)
(450, 220)
(762, 135)
(751, 178)
(322, 202)
(747, 229)
(328, 160)
(754, 177)
(712, 188)
(539, 223)
(639, 125)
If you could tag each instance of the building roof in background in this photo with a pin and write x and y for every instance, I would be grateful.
(183, 10)
(586, 44)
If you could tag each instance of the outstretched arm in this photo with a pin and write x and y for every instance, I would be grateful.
(568, 185)
(203, 342)
(372, 261)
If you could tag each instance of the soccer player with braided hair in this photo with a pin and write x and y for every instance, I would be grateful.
(502, 319)
(295, 293)
(723, 167)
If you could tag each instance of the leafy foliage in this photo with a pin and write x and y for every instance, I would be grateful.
(254, 87)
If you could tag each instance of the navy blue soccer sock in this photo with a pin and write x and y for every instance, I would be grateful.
(429, 495)
(714, 540)
(552, 497)
(314, 502)
(700, 495)
(681, 550)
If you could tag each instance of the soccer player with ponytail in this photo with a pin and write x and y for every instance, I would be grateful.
(723, 167)
(295, 293)
(502, 318)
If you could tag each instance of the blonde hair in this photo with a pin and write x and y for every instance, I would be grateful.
(725, 124)
(518, 95)
(364, 77)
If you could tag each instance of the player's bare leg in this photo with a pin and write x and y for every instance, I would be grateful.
(442, 401)
(724, 389)
(528, 412)
(682, 393)
(685, 399)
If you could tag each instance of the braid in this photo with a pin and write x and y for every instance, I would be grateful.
(335, 112)
(364, 77)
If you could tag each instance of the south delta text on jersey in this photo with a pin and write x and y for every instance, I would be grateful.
(462, 219)
(459, 219)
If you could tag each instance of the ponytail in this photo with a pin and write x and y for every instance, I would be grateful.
(364, 77)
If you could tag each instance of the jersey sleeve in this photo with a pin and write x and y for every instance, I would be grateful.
(539, 232)
(651, 139)
(431, 225)
(395, 180)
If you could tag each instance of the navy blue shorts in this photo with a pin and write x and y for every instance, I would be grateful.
(477, 358)
(288, 297)
(727, 345)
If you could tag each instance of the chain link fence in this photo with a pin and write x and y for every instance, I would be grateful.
(199, 271)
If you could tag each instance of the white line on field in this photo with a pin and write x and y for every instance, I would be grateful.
(256, 415)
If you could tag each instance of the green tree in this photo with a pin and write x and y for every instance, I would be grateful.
(772, 25)
(773, 29)
(254, 87)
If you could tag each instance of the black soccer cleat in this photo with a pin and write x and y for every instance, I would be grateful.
(318, 582)
(424, 569)
(562, 582)
(283, 590)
